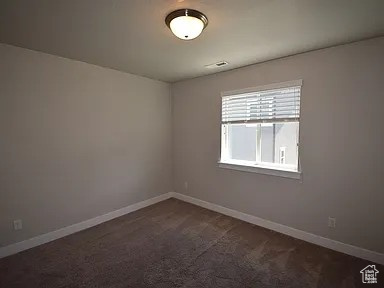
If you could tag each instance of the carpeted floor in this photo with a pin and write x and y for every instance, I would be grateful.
(175, 244)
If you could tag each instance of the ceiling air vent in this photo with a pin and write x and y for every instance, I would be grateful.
(217, 65)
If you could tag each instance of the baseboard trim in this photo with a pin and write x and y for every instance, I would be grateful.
(299, 234)
(48, 237)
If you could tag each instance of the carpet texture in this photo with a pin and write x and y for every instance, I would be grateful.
(176, 244)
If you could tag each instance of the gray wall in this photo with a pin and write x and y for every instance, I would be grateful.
(341, 144)
(76, 141)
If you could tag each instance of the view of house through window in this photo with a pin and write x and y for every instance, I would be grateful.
(262, 128)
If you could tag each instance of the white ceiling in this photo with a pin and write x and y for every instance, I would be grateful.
(131, 36)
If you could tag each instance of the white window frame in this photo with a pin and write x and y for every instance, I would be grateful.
(274, 169)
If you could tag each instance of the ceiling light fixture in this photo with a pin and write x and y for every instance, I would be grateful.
(186, 24)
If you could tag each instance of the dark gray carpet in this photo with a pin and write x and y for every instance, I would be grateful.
(175, 244)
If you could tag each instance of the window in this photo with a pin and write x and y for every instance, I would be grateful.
(260, 127)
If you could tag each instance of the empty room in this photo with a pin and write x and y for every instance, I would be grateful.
(191, 143)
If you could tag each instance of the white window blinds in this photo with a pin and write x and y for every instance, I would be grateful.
(272, 105)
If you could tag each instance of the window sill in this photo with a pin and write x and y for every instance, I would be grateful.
(262, 170)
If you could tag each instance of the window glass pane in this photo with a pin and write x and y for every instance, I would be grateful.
(279, 143)
(267, 145)
(272, 144)
(242, 142)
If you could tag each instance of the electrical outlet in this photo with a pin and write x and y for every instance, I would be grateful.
(18, 224)
(331, 222)
(186, 185)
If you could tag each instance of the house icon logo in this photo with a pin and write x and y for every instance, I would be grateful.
(369, 274)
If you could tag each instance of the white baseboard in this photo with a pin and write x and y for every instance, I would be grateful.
(299, 234)
(48, 237)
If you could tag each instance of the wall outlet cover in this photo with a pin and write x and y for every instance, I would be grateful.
(18, 224)
(331, 222)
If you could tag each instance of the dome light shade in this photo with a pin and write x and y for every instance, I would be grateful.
(186, 24)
